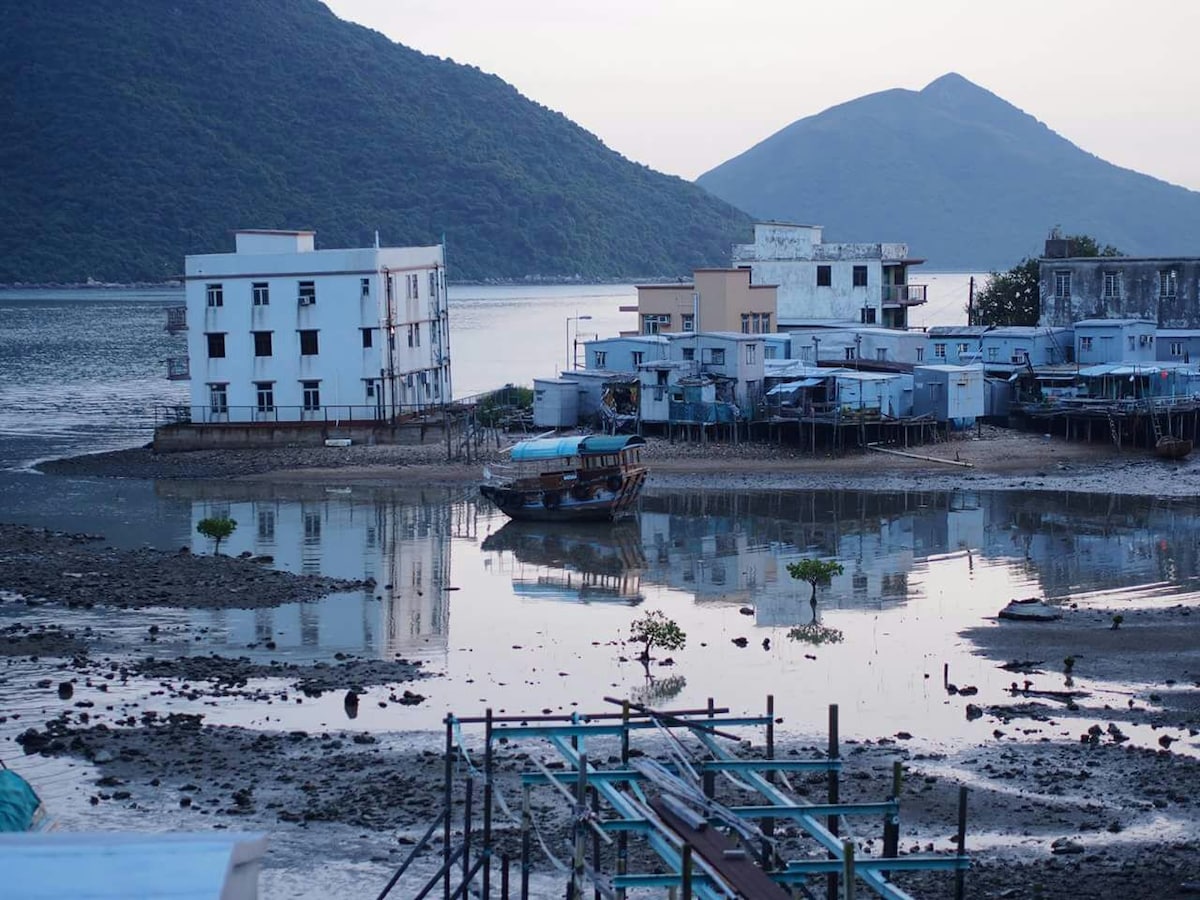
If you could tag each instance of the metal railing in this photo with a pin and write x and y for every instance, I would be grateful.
(178, 368)
(334, 415)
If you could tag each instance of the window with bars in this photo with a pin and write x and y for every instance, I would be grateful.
(260, 293)
(1062, 285)
(214, 294)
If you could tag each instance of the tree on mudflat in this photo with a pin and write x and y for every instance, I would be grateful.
(654, 629)
(1014, 297)
(216, 529)
(815, 572)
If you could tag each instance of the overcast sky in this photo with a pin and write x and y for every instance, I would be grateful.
(683, 85)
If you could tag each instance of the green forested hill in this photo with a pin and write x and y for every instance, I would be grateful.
(138, 131)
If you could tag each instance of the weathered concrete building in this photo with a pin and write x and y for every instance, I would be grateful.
(1164, 290)
(816, 281)
(715, 300)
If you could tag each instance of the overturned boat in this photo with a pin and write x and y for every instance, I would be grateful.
(569, 479)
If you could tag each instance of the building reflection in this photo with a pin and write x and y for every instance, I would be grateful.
(722, 548)
(734, 547)
(591, 563)
(399, 540)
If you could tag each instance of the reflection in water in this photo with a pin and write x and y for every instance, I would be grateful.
(658, 690)
(815, 633)
(594, 563)
(919, 568)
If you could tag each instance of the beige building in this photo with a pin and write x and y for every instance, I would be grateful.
(716, 300)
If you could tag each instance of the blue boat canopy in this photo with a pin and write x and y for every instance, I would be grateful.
(589, 445)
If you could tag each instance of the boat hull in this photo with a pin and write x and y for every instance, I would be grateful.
(1172, 447)
(612, 499)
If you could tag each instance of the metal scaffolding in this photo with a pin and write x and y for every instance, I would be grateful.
(703, 843)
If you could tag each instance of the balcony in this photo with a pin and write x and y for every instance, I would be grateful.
(903, 294)
(176, 319)
(178, 368)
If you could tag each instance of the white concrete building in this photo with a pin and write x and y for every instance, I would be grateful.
(279, 331)
(816, 281)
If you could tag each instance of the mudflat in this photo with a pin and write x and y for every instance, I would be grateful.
(1070, 809)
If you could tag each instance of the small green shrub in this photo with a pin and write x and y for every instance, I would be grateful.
(216, 529)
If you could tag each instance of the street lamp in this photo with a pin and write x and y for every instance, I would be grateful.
(573, 347)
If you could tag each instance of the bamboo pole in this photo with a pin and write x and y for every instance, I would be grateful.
(949, 462)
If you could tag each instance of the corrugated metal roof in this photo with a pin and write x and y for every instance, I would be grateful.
(576, 445)
(789, 386)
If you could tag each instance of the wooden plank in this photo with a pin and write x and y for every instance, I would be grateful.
(738, 870)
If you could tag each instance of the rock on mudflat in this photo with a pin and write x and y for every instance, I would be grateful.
(1030, 610)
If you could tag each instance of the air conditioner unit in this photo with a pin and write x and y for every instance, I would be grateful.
(307, 301)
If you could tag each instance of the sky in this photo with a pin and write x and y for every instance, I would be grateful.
(684, 85)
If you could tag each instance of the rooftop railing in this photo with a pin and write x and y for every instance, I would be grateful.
(904, 294)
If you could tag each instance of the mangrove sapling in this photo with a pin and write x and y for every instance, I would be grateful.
(815, 572)
(216, 529)
(654, 629)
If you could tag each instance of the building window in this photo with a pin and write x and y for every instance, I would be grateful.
(1168, 284)
(262, 343)
(745, 323)
(687, 322)
(1085, 343)
(656, 323)
(689, 353)
(308, 342)
(850, 353)
(218, 399)
(1132, 342)
(214, 294)
(1177, 348)
(366, 338)
(1112, 285)
(264, 392)
(638, 356)
(860, 276)
(716, 356)
(824, 276)
(766, 323)
(599, 358)
(433, 284)
(751, 354)
(260, 293)
(364, 288)
(868, 315)
(962, 349)
(417, 330)
(881, 354)
(1020, 357)
(266, 524)
(993, 353)
(920, 354)
(312, 395)
(216, 345)
(939, 351)
(1062, 285)
(307, 293)
(410, 287)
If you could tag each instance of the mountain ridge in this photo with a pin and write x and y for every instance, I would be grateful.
(965, 178)
(140, 131)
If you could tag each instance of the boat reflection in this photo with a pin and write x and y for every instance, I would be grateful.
(592, 563)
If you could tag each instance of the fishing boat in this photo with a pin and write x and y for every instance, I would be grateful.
(21, 809)
(1170, 447)
(568, 479)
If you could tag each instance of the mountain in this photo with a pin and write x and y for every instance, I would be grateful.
(138, 131)
(966, 179)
